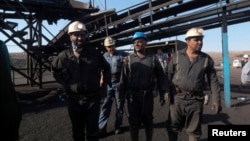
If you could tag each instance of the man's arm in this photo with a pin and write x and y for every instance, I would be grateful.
(215, 87)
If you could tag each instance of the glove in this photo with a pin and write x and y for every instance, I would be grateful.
(217, 107)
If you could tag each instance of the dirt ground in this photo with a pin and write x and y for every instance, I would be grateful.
(45, 116)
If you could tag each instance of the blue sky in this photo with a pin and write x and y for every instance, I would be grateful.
(238, 35)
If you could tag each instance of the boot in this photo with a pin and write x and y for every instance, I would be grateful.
(192, 138)
(172, 136)
(134, 133)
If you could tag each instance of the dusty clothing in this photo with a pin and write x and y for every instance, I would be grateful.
(191, 76)
(186, 112)
(81, 75)
(137, 84)
(138, 73)
(9, 105)
(115, 61)
(81, 80)
(84, 112)
(189, 82)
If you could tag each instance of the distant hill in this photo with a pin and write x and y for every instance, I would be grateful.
(217, 56)
(19, 59)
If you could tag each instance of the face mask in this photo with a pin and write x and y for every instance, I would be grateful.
(74, 47)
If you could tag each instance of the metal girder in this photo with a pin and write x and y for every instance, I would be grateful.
(158, 19)
(46, 11)
(33, 14)
(179, 24)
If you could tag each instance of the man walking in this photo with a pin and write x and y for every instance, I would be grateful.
(137, 85)
(79, 69)
(115, 59)
(188, 70)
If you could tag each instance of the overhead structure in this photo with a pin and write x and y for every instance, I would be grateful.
(33, 13)
(158, 19)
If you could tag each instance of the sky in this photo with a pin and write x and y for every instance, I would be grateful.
(238, 35)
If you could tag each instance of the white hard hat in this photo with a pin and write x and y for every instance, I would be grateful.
(195, 32)
(109, 41)
(245, 56)
(76, 26)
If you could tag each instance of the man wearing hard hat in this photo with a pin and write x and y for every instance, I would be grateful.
(137, 84)
(79, 70)
(115, 59)
(188, 70)
(244, 60)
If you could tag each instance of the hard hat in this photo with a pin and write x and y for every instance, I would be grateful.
(195, 32)
(76, 26)
(245, 56)
(138, 35)
(109, 41)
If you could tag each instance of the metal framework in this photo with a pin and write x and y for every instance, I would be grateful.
(158, 19)
(33, 13)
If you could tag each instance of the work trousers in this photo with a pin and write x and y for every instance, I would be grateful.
(112, 95)
(84, 114)
(186, 112)
(140, 108)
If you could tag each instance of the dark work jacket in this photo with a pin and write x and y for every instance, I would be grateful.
(138, 74)
(192, 76)
(81, 75)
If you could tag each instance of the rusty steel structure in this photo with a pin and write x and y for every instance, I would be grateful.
(158, 19)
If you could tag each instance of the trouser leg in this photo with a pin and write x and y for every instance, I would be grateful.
(149, 133)
(172, 136)
(148, 106)
(134, 133)
(135, 115)
(77, 125)
(92, 129)
(105, 112)
(119, 110)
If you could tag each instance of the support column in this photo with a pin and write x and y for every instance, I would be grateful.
(226, 59)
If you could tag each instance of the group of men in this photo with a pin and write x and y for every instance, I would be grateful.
(84, 73)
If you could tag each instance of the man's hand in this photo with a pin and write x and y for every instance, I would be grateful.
(101, 82)
(217, 107)
(163, 98)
